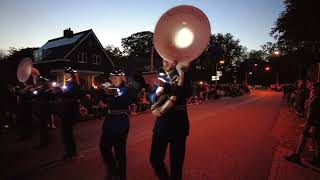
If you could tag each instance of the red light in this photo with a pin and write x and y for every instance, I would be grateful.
(221, 62)
(267, 68)
(255, 65)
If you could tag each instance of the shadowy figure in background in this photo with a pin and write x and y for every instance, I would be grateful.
(311, 127)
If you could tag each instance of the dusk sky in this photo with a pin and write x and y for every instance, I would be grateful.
(31, 23)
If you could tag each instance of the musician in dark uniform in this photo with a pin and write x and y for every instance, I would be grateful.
(43, 96)
(116, 126)
(172, 123)
(25, 96)
(70, 113)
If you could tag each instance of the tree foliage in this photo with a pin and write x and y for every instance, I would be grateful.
(258, 55)
(116, 55)
(2, 54)
(297, 29)
(138, 44)
(225, 47)
(18, 54)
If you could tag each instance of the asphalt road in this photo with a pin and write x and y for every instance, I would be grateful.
(229, 139)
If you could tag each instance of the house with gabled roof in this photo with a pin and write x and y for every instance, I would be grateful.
(82, 51)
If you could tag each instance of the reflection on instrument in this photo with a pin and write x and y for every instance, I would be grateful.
(24, 69)
(112, 91)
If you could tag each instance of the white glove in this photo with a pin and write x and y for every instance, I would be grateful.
(159, 91)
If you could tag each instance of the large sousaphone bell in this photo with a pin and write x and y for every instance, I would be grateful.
(25, 69)
(182, 34)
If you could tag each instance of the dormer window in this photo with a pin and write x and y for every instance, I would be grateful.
(38, 55)
(96, 59)
(82, 57)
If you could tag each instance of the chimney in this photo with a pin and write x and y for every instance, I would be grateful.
(67, 33)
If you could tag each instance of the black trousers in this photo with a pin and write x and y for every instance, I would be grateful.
(25, 120)
(116, 162)
(68, 120)
(177, 153)
(44, 117)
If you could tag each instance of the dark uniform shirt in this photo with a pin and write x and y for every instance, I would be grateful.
(175, 121)
(71, 96)
(117, 119)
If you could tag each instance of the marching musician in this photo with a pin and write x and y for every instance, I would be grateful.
(172, 123)
(70, 112)
(24, 101)
(116, 125)
(43, 96)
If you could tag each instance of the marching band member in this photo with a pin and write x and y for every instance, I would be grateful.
(172, 123)
(43, 97)
(24, 99)
(70, 113)
(116, 126)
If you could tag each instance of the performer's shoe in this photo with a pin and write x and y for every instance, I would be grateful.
(295, 158)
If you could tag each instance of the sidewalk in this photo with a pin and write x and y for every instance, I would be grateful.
(287, 131)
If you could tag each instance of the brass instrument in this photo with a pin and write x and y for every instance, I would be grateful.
(181, 35)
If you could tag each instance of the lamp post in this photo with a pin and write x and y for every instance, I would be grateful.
(277, 53)
(220, 62)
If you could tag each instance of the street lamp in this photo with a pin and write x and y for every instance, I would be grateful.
(220, 62)
(277, 52)
(267, 69)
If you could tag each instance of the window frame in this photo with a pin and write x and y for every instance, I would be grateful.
(82, 57)
(96, 59)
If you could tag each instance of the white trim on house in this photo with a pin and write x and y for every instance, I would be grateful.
(82, 57)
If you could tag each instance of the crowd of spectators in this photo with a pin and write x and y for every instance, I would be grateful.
(91, 106)
(296, 95)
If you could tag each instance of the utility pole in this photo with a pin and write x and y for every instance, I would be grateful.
(151, 59)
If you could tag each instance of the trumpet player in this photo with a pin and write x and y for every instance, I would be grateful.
(172, 123)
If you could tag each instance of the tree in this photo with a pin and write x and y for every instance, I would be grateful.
(225, 47)
(18, 54)
(138, 44)
(2, 54)
(269, 47)
(116, 55)
(258, 55)
(297, 29)
(221, 47)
